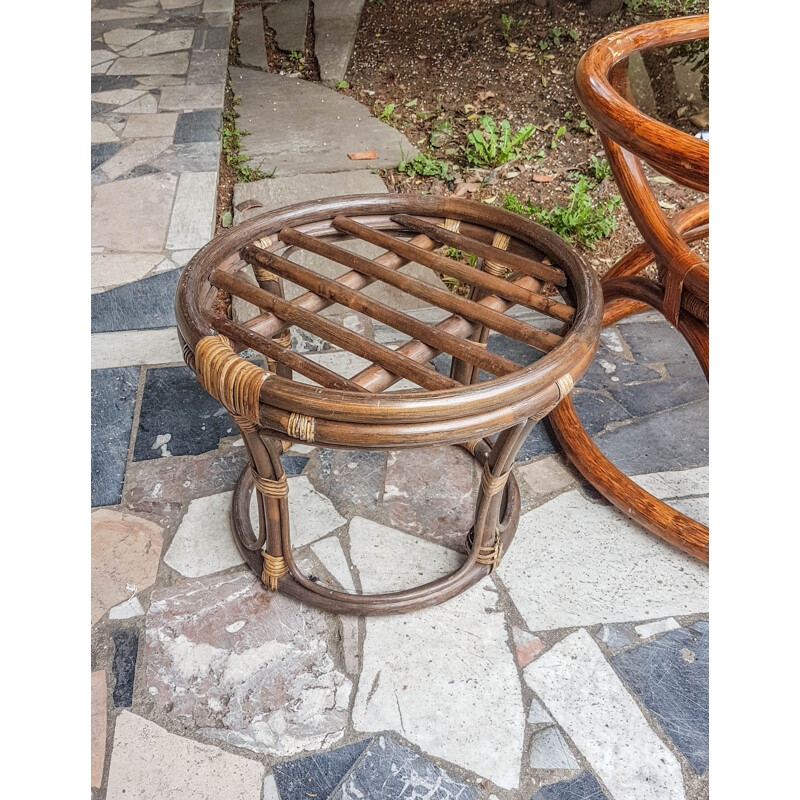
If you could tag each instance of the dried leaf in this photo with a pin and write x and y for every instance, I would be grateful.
(542, 178)
(661, 179)
(227, 219)
(465, 188)
(668, 206)
(484, 96)
(364, 155)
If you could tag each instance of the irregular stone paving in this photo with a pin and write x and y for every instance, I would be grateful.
(578, 671)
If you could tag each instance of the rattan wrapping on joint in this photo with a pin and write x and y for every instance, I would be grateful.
(264, 242)
(491, 484)
(284, 340)
(274, 568)
(452, 225)
(471, 445)
(236, 383)
(564, 384)
(490, 554)
(269, 487)
(301, 427)
(500, 240)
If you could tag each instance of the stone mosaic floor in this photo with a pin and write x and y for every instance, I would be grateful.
(578, 670)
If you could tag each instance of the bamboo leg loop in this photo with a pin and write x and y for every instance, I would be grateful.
(236, 383)
(274, 568)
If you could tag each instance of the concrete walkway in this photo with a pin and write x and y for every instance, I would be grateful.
(577, 670)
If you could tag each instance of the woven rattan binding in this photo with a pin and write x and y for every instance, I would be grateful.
(500, 240)
(226, 376)
(491, 484)
(274, 568)
(489, 554)
(300, 427)
(269, 487)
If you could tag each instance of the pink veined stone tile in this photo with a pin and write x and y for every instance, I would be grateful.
(234, 662)
(125, 553)
(527, 646)
(429, 493)
(98, 726)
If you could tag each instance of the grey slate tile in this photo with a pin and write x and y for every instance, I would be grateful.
(583, 787)
(596, 411)
(674, 439)
(211, 39)
(670, 676)
(293, 465)
(655, 342)
(198, 126)
(317, 775)
(598, 376)
(113, 400)
(175, 404)
(387, 769)
(102, 152)
(650, 398)
(144, 304)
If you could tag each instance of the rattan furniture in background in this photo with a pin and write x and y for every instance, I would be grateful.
(681, 291)
(517, 260)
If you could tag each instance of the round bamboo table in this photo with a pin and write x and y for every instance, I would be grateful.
(487, 404)
(680, 292)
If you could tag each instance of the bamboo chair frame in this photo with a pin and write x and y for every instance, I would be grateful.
(681, 292)
(515, 259)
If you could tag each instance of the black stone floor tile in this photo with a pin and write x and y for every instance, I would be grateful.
(582, 787)
(104, 83)
(175, 405)
(102, 152)
(318, 775)
(388, 769)
(198, 126)
(126, 646)
(113, 400)
(148, 303)
(670, 676)
(293, 465)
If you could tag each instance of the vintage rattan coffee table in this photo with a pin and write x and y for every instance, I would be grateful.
(485, 394)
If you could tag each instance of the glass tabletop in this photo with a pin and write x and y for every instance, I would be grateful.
(670, 84)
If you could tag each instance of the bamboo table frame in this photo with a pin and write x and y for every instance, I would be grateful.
(681, 292)
(516, 259)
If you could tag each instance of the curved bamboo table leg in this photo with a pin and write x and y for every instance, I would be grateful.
(626, 295)
(496, 518)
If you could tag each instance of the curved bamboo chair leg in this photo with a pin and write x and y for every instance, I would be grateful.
(496, 517)
(650, 512)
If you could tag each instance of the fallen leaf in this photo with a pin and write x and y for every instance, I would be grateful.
(470, 107)
(484, 96)
(662, 179)
(542, 178)
(364, 155)
(227, 219)
(465, 188)
(666, 205)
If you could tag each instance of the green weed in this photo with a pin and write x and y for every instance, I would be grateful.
(388, 112)
(425, 165)
(582, 220)
(492, 146)
(507, 25)
(231, 146)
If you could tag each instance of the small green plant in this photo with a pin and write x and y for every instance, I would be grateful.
(296, 59)
(581, 220)
(231, 145)
(491, 146)
(342, 85)
(508, 23)
(650, 6)
(388, 112)
(556, 136)
(426, 166)
(599, 169)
